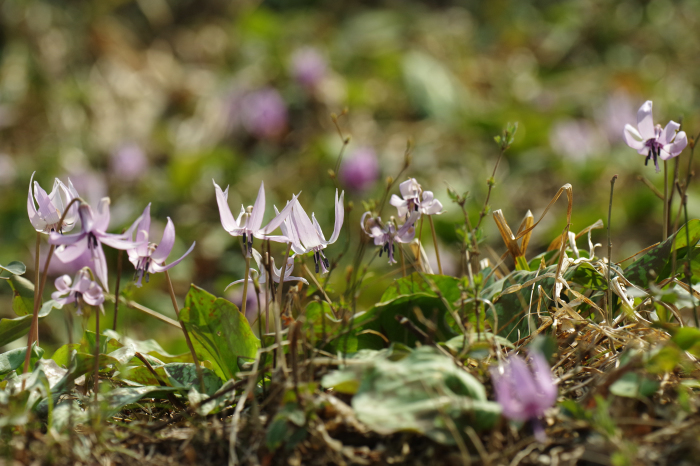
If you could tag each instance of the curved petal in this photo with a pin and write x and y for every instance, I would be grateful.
(116, 241)
(142, 241)
(632, 137)
(396, 201)
(155, 268)
(542, 375)
(166, 244)
(66, 240)
(645, 122)
(289, 231)
(100, 266)
(86, 217)
(676, 147)
(94, 295)
(256, 216)
(362, 222)
(47, 210)
(72, 252)
(34, 218)
(339, 216)
(305, 229)
(317, 226)
(102, 217)
(63, 283)
(668, 133)
(280, 217)
(227, 220)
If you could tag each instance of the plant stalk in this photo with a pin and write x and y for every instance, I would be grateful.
(437, 252)
(37, 297)
(116, 290)
(97, 354)
(665, 219)
(610, 293)
(187, 335)
(245, 283)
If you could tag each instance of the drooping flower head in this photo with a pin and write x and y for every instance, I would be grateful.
(524, 393)
(276, 273)
(415, 199)
(306, 235)
(82, 290)
(150, 257)
(385, 235)
(249, 221)
(360, 169)
(51, 206)
(653, 141)
(93, 234)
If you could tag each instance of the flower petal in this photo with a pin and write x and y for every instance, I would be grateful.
(227, 220)
(676, 147)
(34, 218)
(166, 243)
(305, 229)
(280, 217)
(668, 133)
(339, 216)
(47, 210)
(645, 122)
(155, 268)
(632, 137)
(116, 241)
(256, 216)
(100, 266)
(72, 252)
(102, 217)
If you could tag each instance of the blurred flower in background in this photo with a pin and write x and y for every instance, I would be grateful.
(129, 162)
(308, 67)
(360, 169)
(577, 140)
(263, 113)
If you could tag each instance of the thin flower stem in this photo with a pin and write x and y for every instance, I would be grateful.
(689, 272)
(116, 290)
(96, 375)
(437, 252)
(610, 293)
(403, 261)
(318, 285)
(245, 283)
(278, 316)
(665, 219)
(187, 335)
(37, 274)
(34, 328)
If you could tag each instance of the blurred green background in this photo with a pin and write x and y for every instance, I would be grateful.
(148, 100)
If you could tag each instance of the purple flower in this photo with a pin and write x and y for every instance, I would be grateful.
(129, 162)
(93, 234)
(148, 257)
(308, 66)
(386, 235)
(45, 219)
(83, 291)
(249, 221)
(360, 169)
(653, 141)
(306, 234)
(525, 393)
(275, 271)
(415, 199)
(263, 113)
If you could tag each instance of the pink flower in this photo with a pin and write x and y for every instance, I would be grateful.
(360, 169)
(653, 141)
(386, 235)
(308, 66)
(525, 393)
(415, 199)
(264, 113)
(83, 291)
(129, 162)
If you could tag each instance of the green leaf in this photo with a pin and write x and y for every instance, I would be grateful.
(12, 329)
(655, 264)
(219, 329)
(185, 375)
(14, 268)
(688, 339)
(13, 359)
(148, 347)
(632, 385)
(22, 295)
(424, 392)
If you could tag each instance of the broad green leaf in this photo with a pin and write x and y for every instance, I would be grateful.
(219, 328)
(287, 428)
(633, 385)
(589, 278)
(13, 359)
(12, 329)
(148, 347)
(66, 413)
(418, 394)
(22, 295)
(655, 264)
(14, 268)
(688, 339)
(185, 375)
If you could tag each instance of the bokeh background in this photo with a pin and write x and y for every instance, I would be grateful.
(148, 100)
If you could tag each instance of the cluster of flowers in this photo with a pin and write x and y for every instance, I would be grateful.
(57, 212)
(301, 233)
(413, 203)
(48, 214)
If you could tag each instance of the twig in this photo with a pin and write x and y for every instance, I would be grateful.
(610, 293)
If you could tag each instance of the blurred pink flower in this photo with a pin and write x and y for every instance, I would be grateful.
(576, 139)
(653, 141)
(525, 393)
(308, 66)
(386, 234)
(614, 114)
(129, 162)
(360, 169)
(81, 291)
(263, 113)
